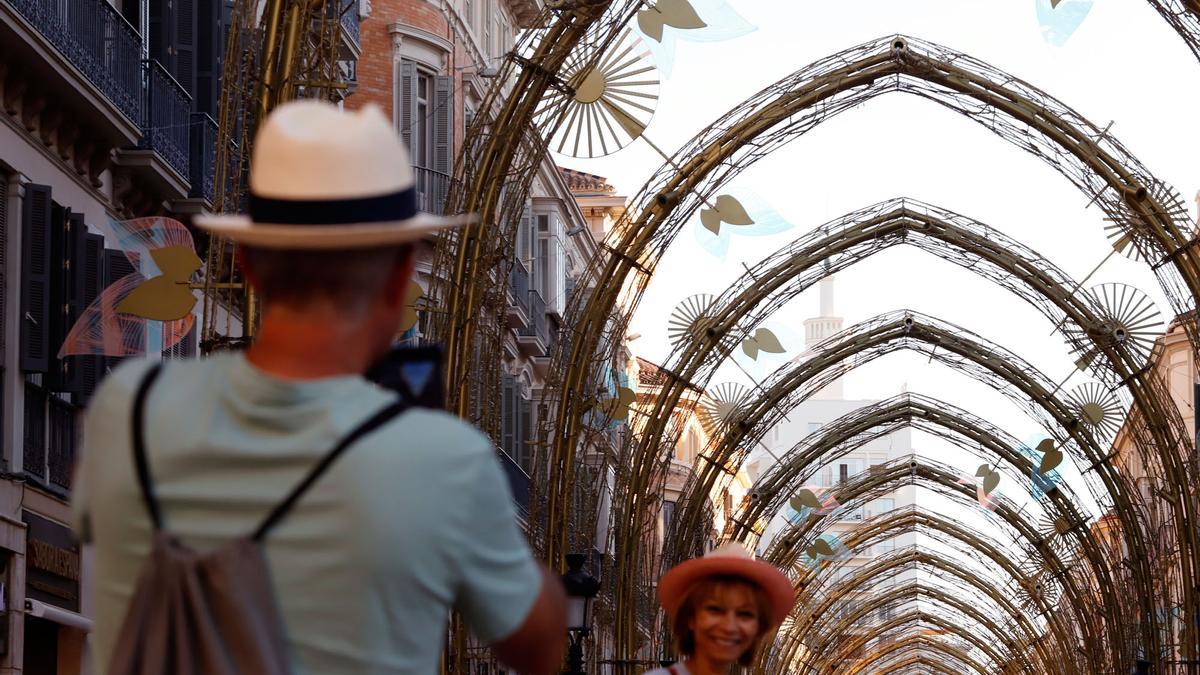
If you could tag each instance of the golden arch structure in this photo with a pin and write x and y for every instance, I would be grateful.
(1112, 631)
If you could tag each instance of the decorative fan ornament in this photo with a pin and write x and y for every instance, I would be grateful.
(1036, 587)
(1129, 321)
(605, 106)
(1125, 238)
(723, 404)
(1097, 408)
(690, 319)
(156, 295)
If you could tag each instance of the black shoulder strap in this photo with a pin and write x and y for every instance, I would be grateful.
(138, 433)
(377, 420)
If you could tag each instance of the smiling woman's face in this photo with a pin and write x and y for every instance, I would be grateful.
(725, 623)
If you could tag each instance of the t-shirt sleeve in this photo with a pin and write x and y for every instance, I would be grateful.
(498, 579)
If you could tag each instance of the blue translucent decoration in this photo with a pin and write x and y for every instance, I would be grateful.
(722, 22)
(767, 221)
(1059, 23)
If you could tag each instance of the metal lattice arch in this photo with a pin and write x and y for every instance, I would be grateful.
(1095, 163)
(982, 250)
(1057, 553)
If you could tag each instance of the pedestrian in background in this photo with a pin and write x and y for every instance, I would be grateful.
(296, 516)
(720, 607)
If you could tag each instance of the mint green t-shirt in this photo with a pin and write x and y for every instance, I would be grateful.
(414, 519)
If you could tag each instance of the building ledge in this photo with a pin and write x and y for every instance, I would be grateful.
(158, 174)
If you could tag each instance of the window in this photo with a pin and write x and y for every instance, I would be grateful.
(885, 546)
(422, 138)
(668, 517)
(843, 473)
(469, 13)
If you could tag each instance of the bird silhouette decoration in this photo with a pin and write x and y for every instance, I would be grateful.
(154, 294)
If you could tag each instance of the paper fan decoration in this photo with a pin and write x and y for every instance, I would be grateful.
(690, 319)
(723, 404)
(1097, 408)
(607, 105)
(1129, 321)
(155, 294)
(1130, 241)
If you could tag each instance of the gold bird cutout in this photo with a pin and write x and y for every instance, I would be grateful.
(617, 409)
(726, 210)
(763, 340)
(673, 13)
(167, 297)
(412, 296)
(991, 478)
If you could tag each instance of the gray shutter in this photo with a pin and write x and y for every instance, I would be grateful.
(116, 265)
(91, 271)
(523, 229)
(68, 298)
(35, 279)
(525, 451)
(209, 55)
(3, 264)
(443, 124)
(407, 105)
(184, 65)
(508, 416)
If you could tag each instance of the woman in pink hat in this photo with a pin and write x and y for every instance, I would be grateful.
(720, 606)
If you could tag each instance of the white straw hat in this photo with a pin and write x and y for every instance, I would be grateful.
(321, 178)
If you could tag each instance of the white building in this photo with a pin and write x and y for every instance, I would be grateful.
(827, 406)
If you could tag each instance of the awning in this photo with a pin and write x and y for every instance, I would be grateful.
(58, 615)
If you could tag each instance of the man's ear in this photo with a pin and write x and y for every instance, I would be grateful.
(400, 277)
(243, 263)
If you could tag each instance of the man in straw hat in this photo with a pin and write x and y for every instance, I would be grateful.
(414, 518)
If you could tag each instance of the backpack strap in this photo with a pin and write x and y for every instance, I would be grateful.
(376, 421)
(138, 434)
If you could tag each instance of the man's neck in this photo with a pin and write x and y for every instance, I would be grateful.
(310, 344)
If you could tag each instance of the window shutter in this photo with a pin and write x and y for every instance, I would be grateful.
(116, 265)
(524, 252)
(35, 279)
(34, 450)
(525, 424)
(407, 105)
(184, 66)
(157, 37)
(209, 55)
(91, 272)
(67, 296)
(61, 450)
(443, 124)
(3, 264)
(508, 416)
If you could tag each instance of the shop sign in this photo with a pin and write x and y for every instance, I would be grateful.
(51, 562)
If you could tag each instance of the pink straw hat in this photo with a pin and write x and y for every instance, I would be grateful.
(734, 560)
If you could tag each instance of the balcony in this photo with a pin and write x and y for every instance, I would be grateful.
(96, 40)
(432, 189)
(518, 291)
(351, 33)
(203, 156)
(535, 336)
(168, 110)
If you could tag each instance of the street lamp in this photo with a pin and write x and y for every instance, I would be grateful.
(581, 587)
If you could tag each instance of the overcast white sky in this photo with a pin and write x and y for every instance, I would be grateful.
(1123, 64)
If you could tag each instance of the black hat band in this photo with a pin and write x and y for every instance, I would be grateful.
(396, 206)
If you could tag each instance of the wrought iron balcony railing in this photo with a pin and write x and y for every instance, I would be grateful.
(97, 40)
(203, 159)
(539, 323)
(518, 285)
(349, 9)
(432, 189)
(167, 121)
